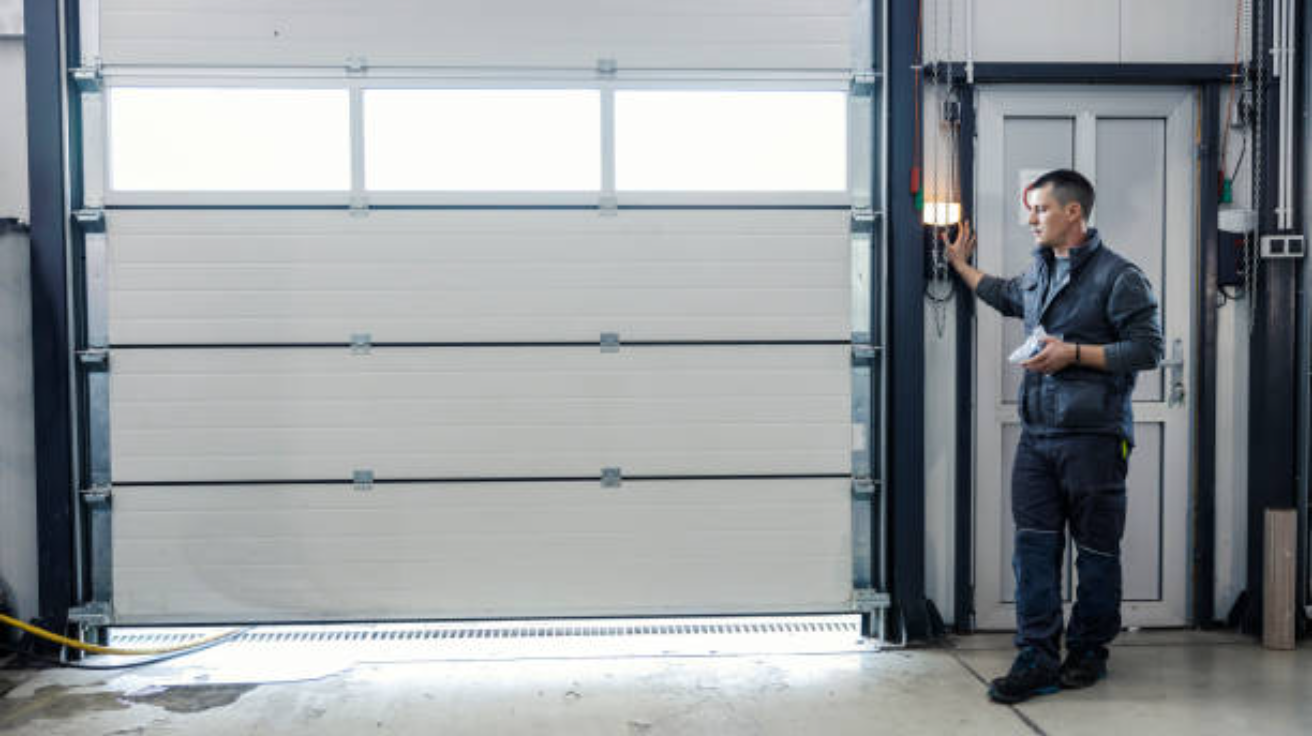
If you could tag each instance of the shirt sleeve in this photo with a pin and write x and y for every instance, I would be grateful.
(1132, 310)
(1003, 295)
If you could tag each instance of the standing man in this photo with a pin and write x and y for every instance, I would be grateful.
(1101, 319)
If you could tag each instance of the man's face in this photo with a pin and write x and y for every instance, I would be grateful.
(1052, 222)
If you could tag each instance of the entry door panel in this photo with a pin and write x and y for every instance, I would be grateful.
(1134, 144)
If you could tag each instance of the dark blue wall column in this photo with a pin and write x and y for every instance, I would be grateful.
(1273, 375)
(46, 88)
(906, 380)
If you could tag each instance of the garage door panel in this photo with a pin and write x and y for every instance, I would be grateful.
(315, 276)
(329, 552)
(724, 410)
(574, 33)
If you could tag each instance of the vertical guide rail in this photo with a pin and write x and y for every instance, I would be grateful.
(90, 337)
(866, 108)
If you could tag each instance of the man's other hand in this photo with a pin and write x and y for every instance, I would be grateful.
(1054, 356)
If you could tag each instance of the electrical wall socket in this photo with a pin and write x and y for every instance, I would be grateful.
(1283, 246)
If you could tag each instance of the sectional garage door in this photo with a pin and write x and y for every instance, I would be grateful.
(370, 392)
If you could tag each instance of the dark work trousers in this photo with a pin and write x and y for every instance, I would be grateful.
(1075, 482)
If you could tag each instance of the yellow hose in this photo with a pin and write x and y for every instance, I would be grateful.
(96, 649)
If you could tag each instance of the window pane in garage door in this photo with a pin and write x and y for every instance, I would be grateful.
(170, 139)
(731, 141)
(482, 140)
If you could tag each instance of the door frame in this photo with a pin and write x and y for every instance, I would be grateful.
(1179, 106)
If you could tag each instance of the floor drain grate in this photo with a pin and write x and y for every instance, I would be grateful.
(280, 634)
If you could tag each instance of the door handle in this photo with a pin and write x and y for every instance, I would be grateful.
(1175, 375)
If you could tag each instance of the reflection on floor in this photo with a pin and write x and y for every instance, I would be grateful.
(1161, 682)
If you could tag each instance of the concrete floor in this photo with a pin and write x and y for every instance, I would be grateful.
(1161, 682)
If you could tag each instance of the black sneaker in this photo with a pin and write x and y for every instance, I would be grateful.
(1029, 676)
(1082, 669)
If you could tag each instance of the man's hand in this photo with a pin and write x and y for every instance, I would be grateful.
(1054, 356)
(958, 252)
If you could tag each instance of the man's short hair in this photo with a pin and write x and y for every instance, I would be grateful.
(1068, 186)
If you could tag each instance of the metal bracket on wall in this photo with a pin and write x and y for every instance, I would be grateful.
(359, 206)
(610, 342)
(362, 343)
(356, 66)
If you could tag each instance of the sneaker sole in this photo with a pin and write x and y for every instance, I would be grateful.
(1006, 700)
(1080, 685)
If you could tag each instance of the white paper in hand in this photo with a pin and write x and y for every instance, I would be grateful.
(1030, 348)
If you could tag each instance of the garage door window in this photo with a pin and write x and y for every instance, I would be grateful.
(482, 140)
(730, 141)
(217, 140)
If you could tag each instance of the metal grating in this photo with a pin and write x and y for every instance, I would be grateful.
(496, 631)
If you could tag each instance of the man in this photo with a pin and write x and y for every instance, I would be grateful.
(1101, 319)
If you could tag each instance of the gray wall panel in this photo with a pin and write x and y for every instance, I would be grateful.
(18, 543)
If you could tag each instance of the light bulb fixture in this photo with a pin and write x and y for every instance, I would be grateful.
(941, 214)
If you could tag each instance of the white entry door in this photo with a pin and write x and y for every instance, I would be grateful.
(1135, 145)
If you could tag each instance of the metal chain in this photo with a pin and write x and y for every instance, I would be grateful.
(939, 270)
(1253, 241)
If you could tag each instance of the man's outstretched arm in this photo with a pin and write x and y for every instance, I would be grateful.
(1001, 294)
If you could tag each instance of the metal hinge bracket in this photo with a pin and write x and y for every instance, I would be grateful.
(612, 477)
(356, 65)
(863, 489)
(88, 78)
(90, 220)
(363, 480)
(95, 613)
(359, 206)
(362, 343)
(97, 494)
(864, 352)
(863, 83)
(607, 68)
(94, 358)
(863, 219)
(869, 600)
(610, 342)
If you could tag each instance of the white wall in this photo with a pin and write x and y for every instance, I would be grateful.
(18, 559)
(940, 459)
(1087, 31)
(940, 387)
(18, 550)
(13, 128)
